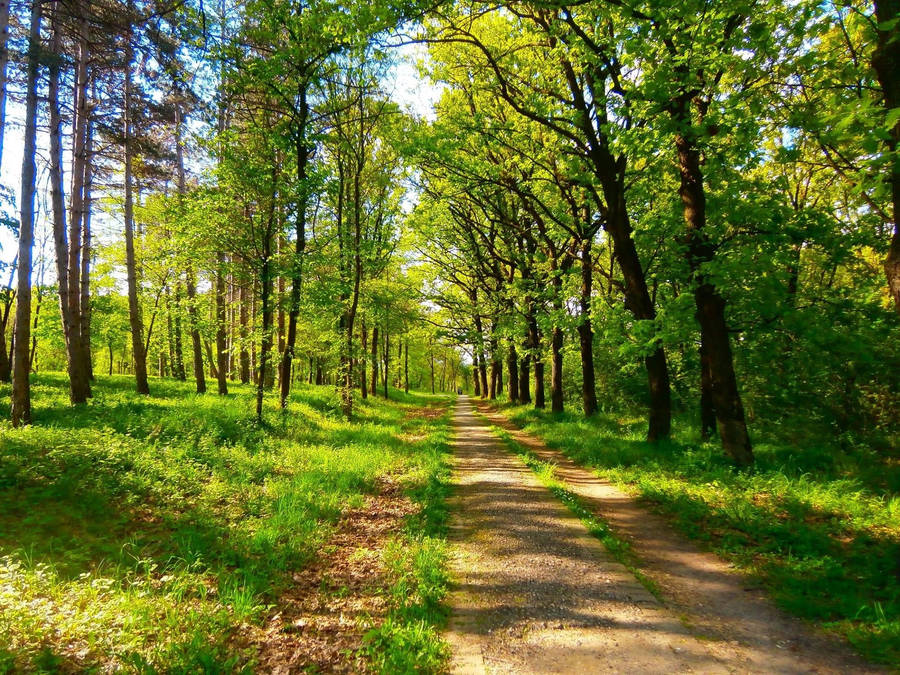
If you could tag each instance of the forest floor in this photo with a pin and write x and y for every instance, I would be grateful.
(537, 592)
(174, 533)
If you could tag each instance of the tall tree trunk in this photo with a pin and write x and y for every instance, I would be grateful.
(710, 304)
(180, 373)
(266, 346)
(79, 372)
(374, 386)
(221, 338)
(537, 359)
(302, 161)
(512, 366)
(196, 342)
(406, 366)
(134, 310)
(68, 253)
(586, 331)
(244, 333)
(610, 172)
(363, 383)
(476, 375)
(556, 343)
(4, 61)
(387, 361)
(87, 251)
(21, 388)
(57, 192)
(431, 346)
(279, 302)
(886, 62)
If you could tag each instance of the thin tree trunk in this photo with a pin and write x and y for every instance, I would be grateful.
(87, 252)
(476, 377)
(586, 332)
(244, 333)
(21, 388)
(302, 161)
(374, 386)
(4, 60)
(282, 323)
(180, 373)
(196, 342)
(387, 361)
(363, 383)
(406, 366)
(221, 340)
(134, 310)
(266, 346)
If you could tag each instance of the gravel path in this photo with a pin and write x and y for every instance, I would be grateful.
(536, 593)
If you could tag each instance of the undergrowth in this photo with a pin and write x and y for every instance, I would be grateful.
(142, 533)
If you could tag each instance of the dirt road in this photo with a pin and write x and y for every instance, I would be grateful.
(536, 593)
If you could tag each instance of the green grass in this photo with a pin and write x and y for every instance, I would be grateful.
(816, 521)
(144, 533)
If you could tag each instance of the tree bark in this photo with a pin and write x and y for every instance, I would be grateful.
(476, 377)
(556, 343)
(266, 347)
(244, 333)
(586, 332)
(302, 161)
(387, 362)
(196, 342)
(21, 388)
(710, 304)
(374, 386)
(221, 338)
(87, 251)
(180, 373)
(134, 310)
(363, 382)
(406, 366)
(80, 386)
(4, 61)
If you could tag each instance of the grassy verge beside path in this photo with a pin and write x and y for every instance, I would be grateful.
(818, 524)
(146, 533)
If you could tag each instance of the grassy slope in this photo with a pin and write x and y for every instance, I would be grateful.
(146, 531)
(817, 524)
